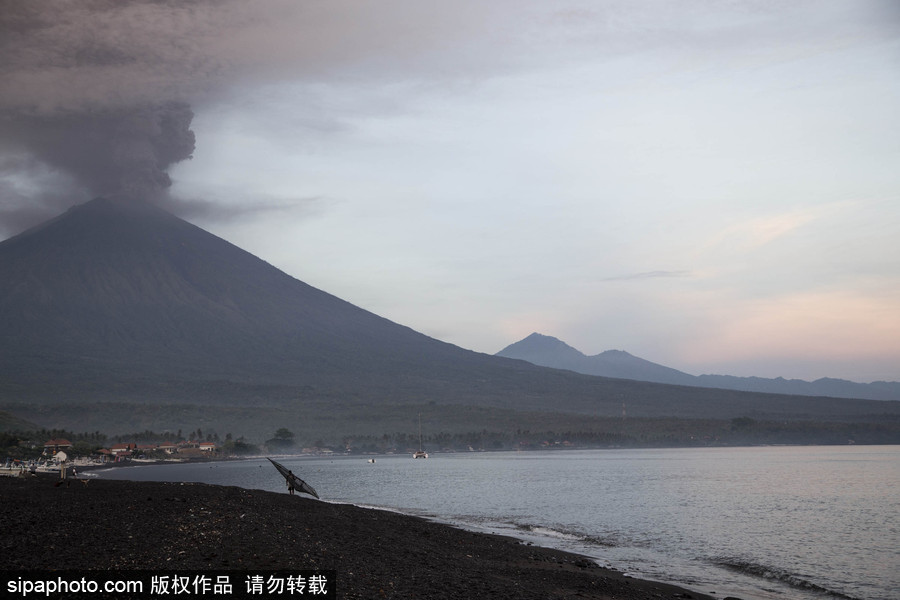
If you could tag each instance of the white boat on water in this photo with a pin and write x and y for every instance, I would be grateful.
(46, 468)
(420, 453)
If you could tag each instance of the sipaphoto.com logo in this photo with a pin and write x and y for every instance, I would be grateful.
(26, 586)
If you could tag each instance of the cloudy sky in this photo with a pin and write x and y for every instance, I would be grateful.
(714, 186)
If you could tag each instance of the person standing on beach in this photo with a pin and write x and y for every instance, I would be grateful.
(290, 483)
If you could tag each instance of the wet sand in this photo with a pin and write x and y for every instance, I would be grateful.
(128, 525)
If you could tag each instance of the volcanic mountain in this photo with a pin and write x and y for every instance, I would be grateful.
(126, 290)
(120, 302)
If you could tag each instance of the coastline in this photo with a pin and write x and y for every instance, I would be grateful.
(97, 524)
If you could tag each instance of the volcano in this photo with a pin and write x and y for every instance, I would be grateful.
(125, 290)
(122, 302)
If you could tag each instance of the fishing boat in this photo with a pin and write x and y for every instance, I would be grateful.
(420, 453)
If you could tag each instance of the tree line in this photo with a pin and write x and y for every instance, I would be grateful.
(625, 433)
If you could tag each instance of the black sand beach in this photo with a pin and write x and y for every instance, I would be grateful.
(102, 525)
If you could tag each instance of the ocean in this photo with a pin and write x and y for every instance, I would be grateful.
(761, 523)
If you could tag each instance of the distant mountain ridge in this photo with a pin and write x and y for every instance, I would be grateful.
(548, 351)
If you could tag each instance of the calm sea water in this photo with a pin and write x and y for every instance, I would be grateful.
(758, 523)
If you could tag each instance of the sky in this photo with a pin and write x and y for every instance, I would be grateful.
(712, 186)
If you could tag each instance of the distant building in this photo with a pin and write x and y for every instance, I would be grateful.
(123, 449)
(55, 445)
(168, 447)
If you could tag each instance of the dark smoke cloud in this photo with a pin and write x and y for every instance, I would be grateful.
(95, 100)
(113, 152)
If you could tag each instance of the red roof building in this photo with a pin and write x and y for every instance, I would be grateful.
(122, 448)
(56, 444)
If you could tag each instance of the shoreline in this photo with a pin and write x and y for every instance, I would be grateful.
(98, 524)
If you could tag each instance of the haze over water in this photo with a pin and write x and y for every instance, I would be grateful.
(758, 523)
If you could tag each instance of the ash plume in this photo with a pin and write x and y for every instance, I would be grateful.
(97, 96)
(95, 101)
(121, 152)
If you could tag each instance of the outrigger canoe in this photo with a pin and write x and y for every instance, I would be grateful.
(294, 481)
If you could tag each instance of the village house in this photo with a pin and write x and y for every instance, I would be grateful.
(122, 449)
(168, 447)
(186, 449)
(51, 447)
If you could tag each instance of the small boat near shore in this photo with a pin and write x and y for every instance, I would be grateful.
(46, 468)
(420, 453)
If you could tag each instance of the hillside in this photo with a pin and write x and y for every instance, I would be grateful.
(115, 305)
(548, 351)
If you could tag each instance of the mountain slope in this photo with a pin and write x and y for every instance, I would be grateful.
(117, 302)
(548, 351)
(128, 284)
